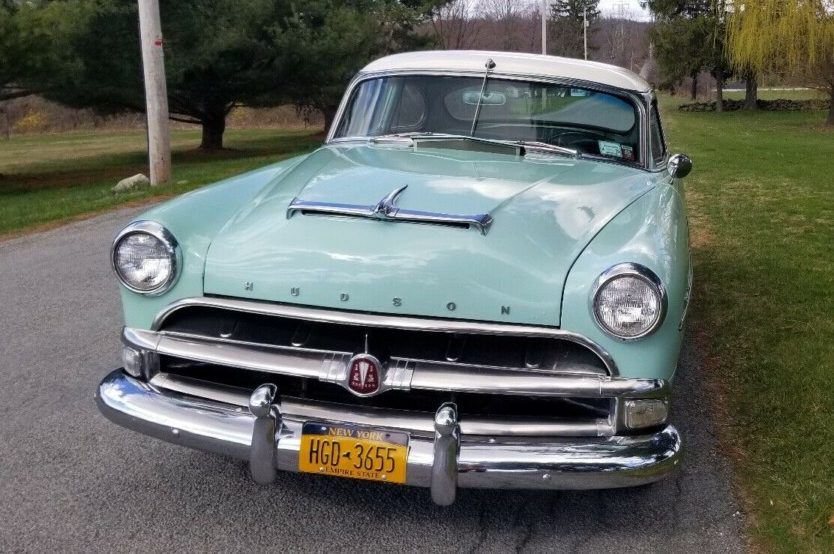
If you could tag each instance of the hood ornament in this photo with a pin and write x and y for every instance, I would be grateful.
(387, 210)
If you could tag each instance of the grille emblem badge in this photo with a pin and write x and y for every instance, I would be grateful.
(364, 375)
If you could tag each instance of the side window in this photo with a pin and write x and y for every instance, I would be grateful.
(362, 111)
(658, 146)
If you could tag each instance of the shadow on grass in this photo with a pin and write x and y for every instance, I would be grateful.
(109, 167)
(41, 189)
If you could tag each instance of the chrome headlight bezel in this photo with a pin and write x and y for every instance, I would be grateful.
(636, 271)
(168, 241)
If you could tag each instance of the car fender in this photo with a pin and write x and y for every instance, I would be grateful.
(194, 219)
(652, 232)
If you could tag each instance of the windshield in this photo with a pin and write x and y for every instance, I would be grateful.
(591, 122)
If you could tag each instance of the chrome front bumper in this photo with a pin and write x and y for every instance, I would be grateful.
(440, 456)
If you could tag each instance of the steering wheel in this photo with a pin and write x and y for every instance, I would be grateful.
(578, 140)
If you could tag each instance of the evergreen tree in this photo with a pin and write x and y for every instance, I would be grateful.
(225, 53)
(566, 26)
(689, 37)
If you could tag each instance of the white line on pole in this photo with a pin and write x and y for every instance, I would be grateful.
(585, 29)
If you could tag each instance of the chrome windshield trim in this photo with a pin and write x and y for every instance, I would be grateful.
(366, 319)
(386, 210)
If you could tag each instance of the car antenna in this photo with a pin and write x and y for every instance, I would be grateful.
(490, 65)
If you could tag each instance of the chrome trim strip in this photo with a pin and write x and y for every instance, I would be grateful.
(439, 376)
(298, 362)
(365, 319)
(412, 422)
(482, 462)
(162, 234)
(386, 210)
(687, 297)
(402, 374)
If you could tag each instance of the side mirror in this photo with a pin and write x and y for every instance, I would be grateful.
(679, 166)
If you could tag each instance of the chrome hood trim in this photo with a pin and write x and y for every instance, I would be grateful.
(386, 210)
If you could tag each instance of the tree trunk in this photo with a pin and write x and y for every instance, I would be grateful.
(830, 120)
(694, 90)
(719, 93)
(5, 128)
(213, 129)
(751, 92)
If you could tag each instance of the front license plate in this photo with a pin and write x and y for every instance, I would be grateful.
(354, 452)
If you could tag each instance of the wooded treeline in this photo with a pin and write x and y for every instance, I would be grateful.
(222, 54)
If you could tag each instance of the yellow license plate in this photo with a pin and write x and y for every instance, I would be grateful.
(354, 452)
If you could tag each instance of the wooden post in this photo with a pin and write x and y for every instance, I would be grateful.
(156, 92)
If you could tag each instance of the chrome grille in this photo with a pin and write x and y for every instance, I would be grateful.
(538, 408)
(466, 349)
(519, 378)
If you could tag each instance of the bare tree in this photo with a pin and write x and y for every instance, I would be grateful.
(622, 41)
(505, 13)
(454, 26)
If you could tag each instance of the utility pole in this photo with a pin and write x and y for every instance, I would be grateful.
(585, 29)
(156, 92)
(544, 27)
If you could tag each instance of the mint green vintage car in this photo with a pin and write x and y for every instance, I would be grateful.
(480, 280)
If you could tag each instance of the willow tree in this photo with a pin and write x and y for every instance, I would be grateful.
(788, 37)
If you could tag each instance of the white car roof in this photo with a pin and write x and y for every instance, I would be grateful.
(511, 63)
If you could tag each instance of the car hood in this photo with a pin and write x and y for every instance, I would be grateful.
(545, 210)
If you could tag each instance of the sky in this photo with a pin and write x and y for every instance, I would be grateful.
(631, 9)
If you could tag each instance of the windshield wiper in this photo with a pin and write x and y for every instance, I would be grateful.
(490, 65)
(536, 145)
(522, 145)
(439, 137)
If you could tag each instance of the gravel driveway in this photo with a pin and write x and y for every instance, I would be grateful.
(72, 481)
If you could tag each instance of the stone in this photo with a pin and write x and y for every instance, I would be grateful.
(137, 182)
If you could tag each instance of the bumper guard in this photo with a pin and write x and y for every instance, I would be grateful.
(265, 429)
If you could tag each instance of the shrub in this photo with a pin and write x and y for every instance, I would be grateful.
(778, 105)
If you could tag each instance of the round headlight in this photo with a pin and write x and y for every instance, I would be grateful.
(629, 301)
(144, 257)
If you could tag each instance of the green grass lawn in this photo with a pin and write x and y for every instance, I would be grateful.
(761, 203)
(52, 178)
(762, 210)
